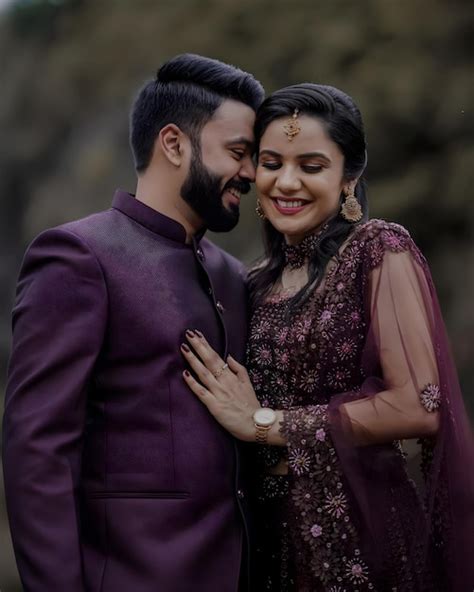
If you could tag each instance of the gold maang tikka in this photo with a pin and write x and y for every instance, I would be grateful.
(292, 126)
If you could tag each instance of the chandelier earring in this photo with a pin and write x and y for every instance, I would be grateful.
(259, 210)
(351, 209)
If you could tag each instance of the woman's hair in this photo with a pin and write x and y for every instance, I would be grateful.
(187, 90)
(343, 122)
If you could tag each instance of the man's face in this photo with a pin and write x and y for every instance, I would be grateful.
(223, 169)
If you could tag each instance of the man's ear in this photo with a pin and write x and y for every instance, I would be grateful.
(171, 142)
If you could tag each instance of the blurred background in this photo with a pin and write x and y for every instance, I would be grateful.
(69, 71)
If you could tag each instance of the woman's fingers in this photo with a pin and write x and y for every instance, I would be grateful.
(237, 369)
(210, 358)
(204, 375)
(199, 390)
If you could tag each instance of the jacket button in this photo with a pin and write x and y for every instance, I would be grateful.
(200, 254)
(240, 494)
(219, 306)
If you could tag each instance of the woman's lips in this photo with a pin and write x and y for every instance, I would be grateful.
(289, 207)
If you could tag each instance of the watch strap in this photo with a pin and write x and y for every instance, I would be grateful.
(261, 433)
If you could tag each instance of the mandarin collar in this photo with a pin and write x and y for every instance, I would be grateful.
(158, 223)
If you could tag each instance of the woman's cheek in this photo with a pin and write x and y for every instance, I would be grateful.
(263, 180)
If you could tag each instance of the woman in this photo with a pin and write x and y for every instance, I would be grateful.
(347, 357)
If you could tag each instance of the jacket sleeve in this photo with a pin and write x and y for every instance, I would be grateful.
(59, 319)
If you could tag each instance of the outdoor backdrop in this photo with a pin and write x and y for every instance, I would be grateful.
(70, 69)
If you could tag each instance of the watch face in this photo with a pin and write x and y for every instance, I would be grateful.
(264, 416)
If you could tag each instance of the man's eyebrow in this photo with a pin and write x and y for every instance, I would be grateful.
(242, 140)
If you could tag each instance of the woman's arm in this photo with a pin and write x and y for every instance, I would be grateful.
(401, 340)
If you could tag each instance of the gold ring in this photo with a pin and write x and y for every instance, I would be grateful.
(220, 371)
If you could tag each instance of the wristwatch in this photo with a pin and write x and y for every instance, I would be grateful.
(263, 418)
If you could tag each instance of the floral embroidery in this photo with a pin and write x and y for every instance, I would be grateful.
(282, 336)
(393, 241)
(336, 505)
(327, 318)
(353, 319)
(356, 571)
(278, 382)
(316, 531)
(308, 380)
(320, 434)
(299, 461)
(302, 329)
(261, 328)
(323, 522)
(431, 397)
(339, 378)
(346, 349)
(264, 355)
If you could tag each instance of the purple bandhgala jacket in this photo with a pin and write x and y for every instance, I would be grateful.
(117, 478)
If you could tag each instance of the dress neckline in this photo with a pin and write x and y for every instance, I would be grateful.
(282, 298)
(297, 255)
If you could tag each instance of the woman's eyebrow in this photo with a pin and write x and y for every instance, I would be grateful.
(314, 155)
(300, 156)
(269, 152)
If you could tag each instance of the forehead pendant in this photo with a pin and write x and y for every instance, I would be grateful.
(292, 126)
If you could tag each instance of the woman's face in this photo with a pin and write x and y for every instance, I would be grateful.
(299, 182)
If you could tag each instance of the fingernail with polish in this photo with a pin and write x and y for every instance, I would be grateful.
(186, 373)
(190, 333)
(185, 348)
(198, 333)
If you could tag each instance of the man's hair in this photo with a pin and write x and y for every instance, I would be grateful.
(187, 90)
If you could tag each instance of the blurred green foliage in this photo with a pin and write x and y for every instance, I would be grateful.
(70, 69)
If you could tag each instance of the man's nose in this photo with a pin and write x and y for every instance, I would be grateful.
(247, 170)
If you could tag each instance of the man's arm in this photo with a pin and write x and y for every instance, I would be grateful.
(58, 326)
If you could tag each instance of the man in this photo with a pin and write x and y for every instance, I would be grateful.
(117, 479)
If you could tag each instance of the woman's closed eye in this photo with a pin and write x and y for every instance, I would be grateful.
(311, 168)
(307, 168)
(270, 164)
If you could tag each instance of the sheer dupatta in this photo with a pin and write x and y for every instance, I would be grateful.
(359, 521)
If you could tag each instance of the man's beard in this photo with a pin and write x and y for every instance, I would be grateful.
(203, 191)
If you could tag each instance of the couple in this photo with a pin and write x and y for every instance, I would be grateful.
(153, 444)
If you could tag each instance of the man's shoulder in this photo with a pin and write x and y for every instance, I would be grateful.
(89, 225)
(81, 235)
(92, 230)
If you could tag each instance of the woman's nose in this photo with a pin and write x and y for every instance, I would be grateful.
(287, 181)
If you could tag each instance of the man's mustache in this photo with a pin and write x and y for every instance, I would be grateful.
(242, 187)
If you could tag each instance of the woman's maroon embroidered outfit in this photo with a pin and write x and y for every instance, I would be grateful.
(348, 517)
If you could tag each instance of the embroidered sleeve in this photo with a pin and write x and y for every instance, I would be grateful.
(400, 349)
